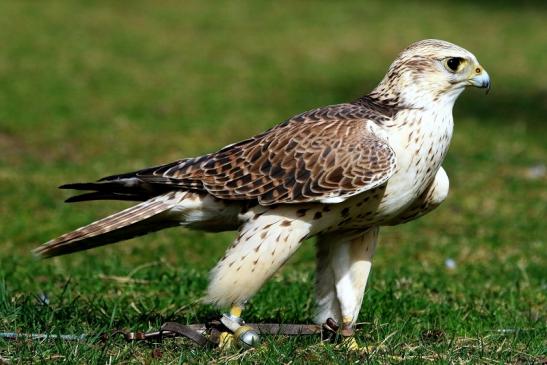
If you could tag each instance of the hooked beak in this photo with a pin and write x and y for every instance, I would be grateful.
(480, 79)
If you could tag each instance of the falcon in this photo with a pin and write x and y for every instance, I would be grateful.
(337, 173)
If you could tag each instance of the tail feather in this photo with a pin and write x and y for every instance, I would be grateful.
(134, 221)
(121, 189)
(97, 195)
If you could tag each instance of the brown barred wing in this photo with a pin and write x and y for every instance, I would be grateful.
(306, 159)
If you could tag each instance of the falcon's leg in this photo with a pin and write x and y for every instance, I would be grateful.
(226, 339)
(343, 267)
(327, 302)
(266, 241)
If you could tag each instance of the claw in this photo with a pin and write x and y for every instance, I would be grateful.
(226, 341)
(350, 344)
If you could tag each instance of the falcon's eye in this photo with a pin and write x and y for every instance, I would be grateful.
(454, 63)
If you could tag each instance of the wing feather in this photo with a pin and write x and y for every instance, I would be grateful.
(319, 155)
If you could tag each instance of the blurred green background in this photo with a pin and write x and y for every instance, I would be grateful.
(92, 88)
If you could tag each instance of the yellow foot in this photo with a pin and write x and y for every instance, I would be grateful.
(226, 341)
(350, 343)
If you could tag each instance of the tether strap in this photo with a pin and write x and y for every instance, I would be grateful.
(202, 334)
(186, 331)
(196, 332)
(285, 329)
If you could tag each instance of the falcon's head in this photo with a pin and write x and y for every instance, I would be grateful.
(430, 72)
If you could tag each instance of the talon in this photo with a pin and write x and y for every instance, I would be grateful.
(350, 344)
(226, 341)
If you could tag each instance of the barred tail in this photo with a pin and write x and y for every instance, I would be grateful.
(132, 222)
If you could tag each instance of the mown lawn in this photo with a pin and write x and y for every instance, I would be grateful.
(93, 88)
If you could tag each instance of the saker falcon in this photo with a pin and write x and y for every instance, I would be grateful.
(337, 173)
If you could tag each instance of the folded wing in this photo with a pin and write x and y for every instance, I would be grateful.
(323, 155)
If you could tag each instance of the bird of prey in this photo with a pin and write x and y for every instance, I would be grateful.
(337, 173)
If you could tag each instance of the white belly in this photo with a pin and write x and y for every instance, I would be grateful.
(420, 148)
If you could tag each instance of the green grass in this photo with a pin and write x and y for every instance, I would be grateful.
(89, 89)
